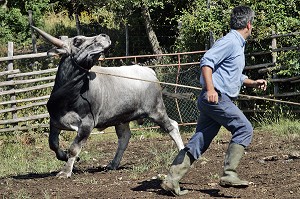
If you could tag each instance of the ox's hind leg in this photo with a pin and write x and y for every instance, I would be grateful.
(54, 143)
(169, 125)
(74, 150)
(124, 134)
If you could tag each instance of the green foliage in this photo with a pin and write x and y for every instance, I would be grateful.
(280, 16)
(37, 6)
(197, 18)
(13, 26)
(14, 20)
(289, 60)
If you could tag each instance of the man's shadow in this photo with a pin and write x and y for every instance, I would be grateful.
(153, 185)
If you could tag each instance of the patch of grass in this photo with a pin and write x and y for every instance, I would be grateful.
(26, 153)
(281, 125)
(89, 180)
(160, 161)
(223, 136)
(162, 157)
(214, 176)
(19, 194)
(141, 168)
(141, 134)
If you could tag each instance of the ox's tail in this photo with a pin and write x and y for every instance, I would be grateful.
(186, 96)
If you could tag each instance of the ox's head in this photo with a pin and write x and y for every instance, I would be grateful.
(84, 51)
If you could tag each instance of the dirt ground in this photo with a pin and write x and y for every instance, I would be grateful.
(271, 164)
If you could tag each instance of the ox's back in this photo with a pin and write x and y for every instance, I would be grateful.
(127, 72)
(122, 94)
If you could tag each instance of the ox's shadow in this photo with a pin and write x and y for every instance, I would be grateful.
(100, 169)
(76, 170)
(32, 176)
(153, 185)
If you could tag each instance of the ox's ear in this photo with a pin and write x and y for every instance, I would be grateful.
(57, 52)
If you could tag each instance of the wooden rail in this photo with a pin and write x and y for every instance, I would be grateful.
(22, 90)
(26, 56)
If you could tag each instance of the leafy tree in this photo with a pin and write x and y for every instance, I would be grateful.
(200, 18)
(13, 24)
(14, 20)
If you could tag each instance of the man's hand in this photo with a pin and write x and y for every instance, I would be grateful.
(261, 84)
(212, 96)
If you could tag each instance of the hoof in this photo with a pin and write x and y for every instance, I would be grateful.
(110, 166)
(63, 175)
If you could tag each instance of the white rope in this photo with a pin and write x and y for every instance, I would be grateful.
(198, 88)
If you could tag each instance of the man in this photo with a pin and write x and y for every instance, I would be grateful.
(221, 80)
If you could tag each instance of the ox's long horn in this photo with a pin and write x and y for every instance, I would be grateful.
(56, 42)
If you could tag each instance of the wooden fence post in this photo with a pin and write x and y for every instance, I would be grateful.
(77, 23)
(34, 48)
(126, 40)
(10, 66)
(10, 53)
(274, 59)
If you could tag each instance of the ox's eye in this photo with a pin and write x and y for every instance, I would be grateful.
(77, 42)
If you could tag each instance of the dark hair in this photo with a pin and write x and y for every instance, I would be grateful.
(240, 16)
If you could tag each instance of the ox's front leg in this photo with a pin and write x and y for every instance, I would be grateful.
(74, 150)
(54, 143)
(124, 134)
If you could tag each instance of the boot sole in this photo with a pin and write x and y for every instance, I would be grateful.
(168, 188)
(165, 187)
(228, 185)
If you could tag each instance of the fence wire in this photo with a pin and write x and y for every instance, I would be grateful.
(28, 111)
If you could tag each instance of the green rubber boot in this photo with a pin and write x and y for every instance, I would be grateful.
(232, 159)
(179, 168)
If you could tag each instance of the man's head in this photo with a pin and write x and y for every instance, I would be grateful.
(241, 18)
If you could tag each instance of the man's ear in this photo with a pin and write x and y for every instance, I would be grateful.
(249, 25)
(57, 52)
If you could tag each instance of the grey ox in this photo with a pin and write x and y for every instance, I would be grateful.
(83, 99)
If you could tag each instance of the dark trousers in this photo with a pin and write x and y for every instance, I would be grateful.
(212, 117)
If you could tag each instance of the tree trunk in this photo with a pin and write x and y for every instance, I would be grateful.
(77, 23)
(3, 4)
(150, 32)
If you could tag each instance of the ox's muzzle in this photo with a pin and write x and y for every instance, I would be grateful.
(104, 40)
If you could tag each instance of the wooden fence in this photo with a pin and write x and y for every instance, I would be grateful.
(23, 95)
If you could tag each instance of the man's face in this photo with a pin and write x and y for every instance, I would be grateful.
(249, 27)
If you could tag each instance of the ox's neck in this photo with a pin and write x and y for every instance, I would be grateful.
(68, 73)
(71, 81)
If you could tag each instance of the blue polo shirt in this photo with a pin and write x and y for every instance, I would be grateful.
(227, 60)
